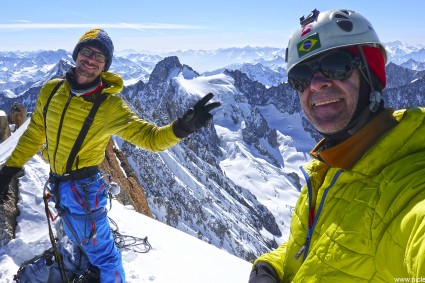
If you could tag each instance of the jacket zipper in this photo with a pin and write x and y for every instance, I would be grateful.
(60, 129)
(313, 219)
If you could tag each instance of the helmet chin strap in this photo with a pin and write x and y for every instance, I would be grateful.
(360, 121)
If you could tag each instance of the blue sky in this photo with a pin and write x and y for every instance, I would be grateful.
(169, 25)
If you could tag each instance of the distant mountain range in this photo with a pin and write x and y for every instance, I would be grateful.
(234, 184)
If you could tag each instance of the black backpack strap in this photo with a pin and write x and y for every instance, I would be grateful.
(55, 89)
(81, 136)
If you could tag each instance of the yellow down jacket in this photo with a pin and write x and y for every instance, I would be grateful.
(64, 120)
(369, 221)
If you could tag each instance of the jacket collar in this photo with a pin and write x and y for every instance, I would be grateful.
(346, 154)
(111, 83)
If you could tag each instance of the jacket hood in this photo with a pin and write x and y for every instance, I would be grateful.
(114, 83)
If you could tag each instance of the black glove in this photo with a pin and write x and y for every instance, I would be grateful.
(263, 273)
(195, 118)
(6, 175)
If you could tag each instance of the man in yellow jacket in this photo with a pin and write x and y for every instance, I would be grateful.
(61, 112)
(361, 215)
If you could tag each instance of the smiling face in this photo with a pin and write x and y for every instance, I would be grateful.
(87, 67)
(330, 104)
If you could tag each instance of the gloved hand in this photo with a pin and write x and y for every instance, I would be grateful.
(263, 273)
(195, 118)
(6, 175)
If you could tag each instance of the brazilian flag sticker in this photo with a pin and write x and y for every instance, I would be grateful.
(307, 45)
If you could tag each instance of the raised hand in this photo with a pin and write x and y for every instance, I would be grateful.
(196, 117)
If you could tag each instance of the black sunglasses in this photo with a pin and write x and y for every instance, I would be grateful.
(338, 65)
(88, 52)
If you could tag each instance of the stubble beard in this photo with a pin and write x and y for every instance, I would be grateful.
(89, 75)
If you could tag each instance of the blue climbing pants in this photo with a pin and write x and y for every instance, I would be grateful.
(85, 222)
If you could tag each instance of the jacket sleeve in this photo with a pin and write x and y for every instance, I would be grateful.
(34, 136)
(137, 131)
(282, 259)
(276, 259)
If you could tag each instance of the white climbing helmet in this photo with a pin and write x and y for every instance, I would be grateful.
(323, 31)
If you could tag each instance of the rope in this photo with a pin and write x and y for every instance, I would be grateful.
(126, 242)
(58, 256)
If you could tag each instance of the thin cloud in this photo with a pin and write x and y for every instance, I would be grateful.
(150, 26)
(22, 21)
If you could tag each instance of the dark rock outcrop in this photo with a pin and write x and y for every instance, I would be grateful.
(132, 193)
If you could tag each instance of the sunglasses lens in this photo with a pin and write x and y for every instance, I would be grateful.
(299, 77)
(337, 66)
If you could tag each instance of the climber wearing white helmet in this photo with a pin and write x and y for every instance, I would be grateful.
(361, 215)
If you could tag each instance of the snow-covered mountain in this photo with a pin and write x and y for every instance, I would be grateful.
(257, 72)
(209, 60)
(202, 189)
(399, 52)
(234, 184)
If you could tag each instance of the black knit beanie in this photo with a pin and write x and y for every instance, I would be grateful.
(99, 39)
